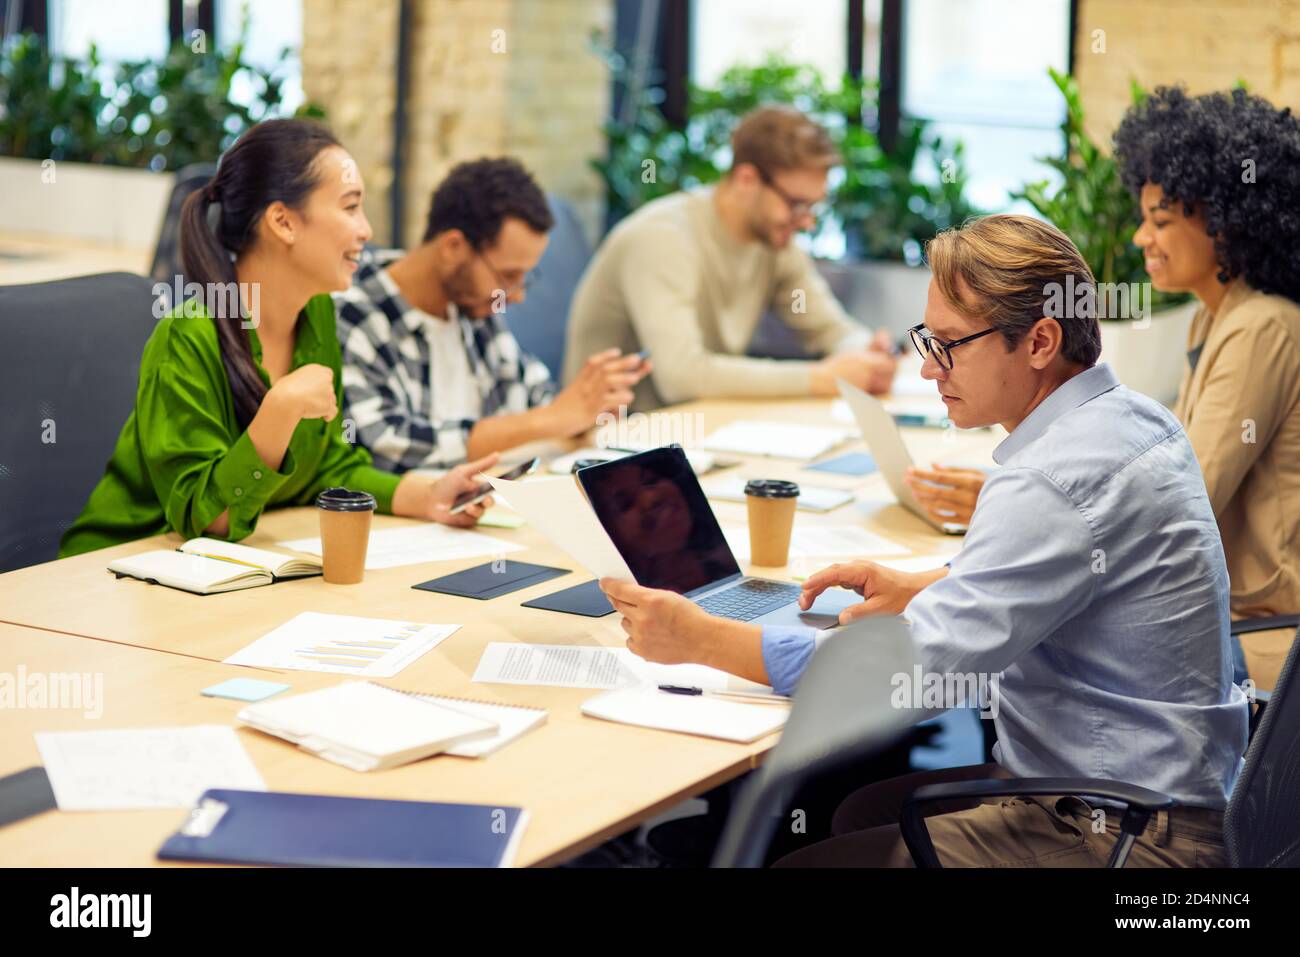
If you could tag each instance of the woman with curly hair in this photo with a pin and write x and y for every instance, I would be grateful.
(1218, 181)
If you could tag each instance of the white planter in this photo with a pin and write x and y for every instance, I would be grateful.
(114, 205)
(1150, 356)
(883, 295)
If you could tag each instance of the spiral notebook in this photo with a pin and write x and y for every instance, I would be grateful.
(365, 726)
(512, 720)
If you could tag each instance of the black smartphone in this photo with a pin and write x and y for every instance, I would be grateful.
(466, 499)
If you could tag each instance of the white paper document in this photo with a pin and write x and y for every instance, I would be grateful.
(689, 714)
(414, 544)
(144, 767)
(820, 541)
(342, 645)
(812, 498)
(594, 666)
(921, 563)
(558, 510)
(782, 439)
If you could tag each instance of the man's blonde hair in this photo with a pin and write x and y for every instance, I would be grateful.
(778, 138)
(1011, 271)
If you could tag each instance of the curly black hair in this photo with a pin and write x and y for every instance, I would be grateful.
(479, 195)
(1195, 147)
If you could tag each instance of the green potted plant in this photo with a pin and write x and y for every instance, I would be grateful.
(884, 211)
(89, 151)
(1142, 330)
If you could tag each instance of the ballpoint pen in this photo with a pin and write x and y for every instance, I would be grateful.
(737, 695)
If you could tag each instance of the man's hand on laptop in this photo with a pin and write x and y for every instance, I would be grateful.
(665, 627)
(869, 370)
(948, 494)
(887, 591)
(603, 384)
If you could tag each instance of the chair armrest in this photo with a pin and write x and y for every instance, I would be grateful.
(1140, 803)
(1248, 625)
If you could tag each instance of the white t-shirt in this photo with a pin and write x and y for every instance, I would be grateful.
(451, 383)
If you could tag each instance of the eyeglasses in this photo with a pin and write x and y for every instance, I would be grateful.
(523, 283)
(799, 208)
(928, 344)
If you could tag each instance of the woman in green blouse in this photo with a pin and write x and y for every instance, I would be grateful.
(237, 407)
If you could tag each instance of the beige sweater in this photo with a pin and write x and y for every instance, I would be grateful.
(669, 278)
(1241, 410)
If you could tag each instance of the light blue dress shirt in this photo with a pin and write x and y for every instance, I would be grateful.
(1093, 580)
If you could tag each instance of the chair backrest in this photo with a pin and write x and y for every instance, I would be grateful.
(843, 712)
(68, 374)
(542, 319)
(167, 255)
(1262, 825)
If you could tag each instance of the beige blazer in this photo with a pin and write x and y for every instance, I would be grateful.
(1241, 410)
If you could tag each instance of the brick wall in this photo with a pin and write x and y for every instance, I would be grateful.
(488, 77)
(1205, 44)
(348, 66)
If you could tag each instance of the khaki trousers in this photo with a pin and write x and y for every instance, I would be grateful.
(1007, 832)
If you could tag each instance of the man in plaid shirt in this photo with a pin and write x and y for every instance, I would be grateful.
(432, 375)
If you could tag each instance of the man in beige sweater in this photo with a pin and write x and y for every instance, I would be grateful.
(689, 276)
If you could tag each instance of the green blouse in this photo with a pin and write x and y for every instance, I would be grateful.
(182, 459)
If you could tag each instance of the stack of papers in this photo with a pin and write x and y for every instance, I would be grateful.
(780, 439)
(364, 726)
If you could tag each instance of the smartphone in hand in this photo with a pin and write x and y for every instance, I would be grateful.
(466, 499)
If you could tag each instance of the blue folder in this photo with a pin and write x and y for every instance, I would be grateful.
(311, 830)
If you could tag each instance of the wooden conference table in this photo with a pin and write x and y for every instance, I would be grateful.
(581, 779)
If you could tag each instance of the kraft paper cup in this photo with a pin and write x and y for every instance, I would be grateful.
(344, 533)
(771, 504)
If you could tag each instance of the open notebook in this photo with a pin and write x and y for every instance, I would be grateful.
(206, 566)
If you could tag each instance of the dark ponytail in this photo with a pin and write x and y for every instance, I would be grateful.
(273, 161)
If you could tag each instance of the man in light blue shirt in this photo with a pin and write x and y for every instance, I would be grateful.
(1091, 586)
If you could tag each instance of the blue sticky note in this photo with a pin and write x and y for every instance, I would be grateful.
(854, 463)
(244, 689)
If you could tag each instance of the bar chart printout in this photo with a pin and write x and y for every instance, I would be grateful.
(343, 644)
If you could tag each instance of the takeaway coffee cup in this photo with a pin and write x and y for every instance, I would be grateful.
(771, 504)
(344, 533)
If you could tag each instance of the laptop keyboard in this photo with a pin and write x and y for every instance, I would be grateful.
(750, 599)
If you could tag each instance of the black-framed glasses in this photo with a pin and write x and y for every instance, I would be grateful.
(799, 208)
(524, 282)
(927, 343)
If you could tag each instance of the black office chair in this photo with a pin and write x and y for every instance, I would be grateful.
(1261, 827)
(842, 714)
(540, 322)
(68, 375)
(167, 254)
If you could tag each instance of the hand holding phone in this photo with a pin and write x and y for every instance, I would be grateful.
(466, 499)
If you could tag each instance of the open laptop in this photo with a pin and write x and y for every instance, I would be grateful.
(880, 432)
(659, 519)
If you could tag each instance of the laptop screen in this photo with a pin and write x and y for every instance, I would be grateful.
(655, 512)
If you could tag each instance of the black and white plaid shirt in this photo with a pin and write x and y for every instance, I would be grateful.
(388, 370)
